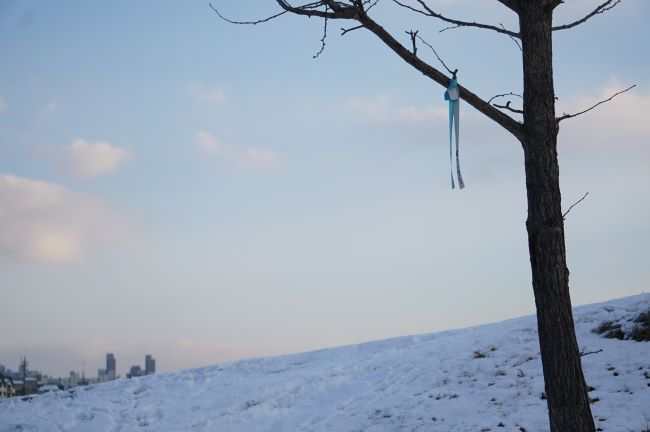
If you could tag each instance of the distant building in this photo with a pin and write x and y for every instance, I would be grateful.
(27, 387)
(109, 373)
(102, 375)
(111, 366)
(22, 368)
(149, 365)
(73, 381)
(136, 371)
(31, 386)
(7, 388)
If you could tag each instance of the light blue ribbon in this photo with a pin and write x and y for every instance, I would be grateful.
(453, 96)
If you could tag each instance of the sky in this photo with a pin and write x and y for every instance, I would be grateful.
(172, 184)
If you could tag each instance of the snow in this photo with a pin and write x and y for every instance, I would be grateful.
(485, 378)
(48, 388)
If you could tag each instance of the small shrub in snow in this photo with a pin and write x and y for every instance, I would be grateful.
(637, 329)
(641, 331)
(610, 329)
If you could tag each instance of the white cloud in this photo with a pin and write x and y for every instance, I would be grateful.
(47, 222)
(208, 94)
(88, 160)
(259, 158)
(211, 145)
(50, 107)
(253, 158)
(3, 105)
(379, 109)
(375, 109)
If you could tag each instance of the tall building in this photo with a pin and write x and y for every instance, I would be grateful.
(136, 371)
(149, 365)
(23, 367)
(110, 366)
(73, 380)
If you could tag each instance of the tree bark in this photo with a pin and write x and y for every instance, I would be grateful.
(566, 391)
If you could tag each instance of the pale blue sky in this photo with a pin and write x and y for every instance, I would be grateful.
(173, 184)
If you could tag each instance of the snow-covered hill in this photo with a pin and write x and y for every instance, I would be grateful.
(486, 378)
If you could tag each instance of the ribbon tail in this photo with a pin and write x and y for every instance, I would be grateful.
(461, 184)
(451, 161)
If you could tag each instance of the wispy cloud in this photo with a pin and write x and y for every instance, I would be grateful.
(208, 94)
(50, 107)
(87, 160)
(46, 222)
(619, 123)
(252, 158)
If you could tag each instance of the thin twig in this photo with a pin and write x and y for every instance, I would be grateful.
(449, 28)
(602, 8)
(566, 116)
(574, 204)
(456, 23)
(373, 4)
(411, 8)
(435, 53)
(505, 94)
(413, 34)
(509, 108)
(582, 354)
(513, 39)
(322, 41)
(263, 20)
(344, 30)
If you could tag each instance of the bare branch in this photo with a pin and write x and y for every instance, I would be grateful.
(509, 108)
(513, 39)
(373, 4)
(322, 41)
(411, 8)
(574, 204)
(436, 54)
(263, 20)
(504, 95)
(344, 30)
(582, 354)
(413, 34)
(339, 11)
(602, 8)
(354, 11)
(566, 116)
(504, 120)
(449, 28)
(456, 23)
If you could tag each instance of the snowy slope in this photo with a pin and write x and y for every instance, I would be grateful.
(435, 382)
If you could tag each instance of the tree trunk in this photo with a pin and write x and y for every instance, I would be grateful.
(566, 391)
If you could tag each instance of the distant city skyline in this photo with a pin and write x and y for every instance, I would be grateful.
(108, 373)
(176, 185)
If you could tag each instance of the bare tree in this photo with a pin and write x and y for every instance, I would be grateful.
(566, 390)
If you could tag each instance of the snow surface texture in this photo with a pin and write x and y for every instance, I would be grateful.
(486, 378)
